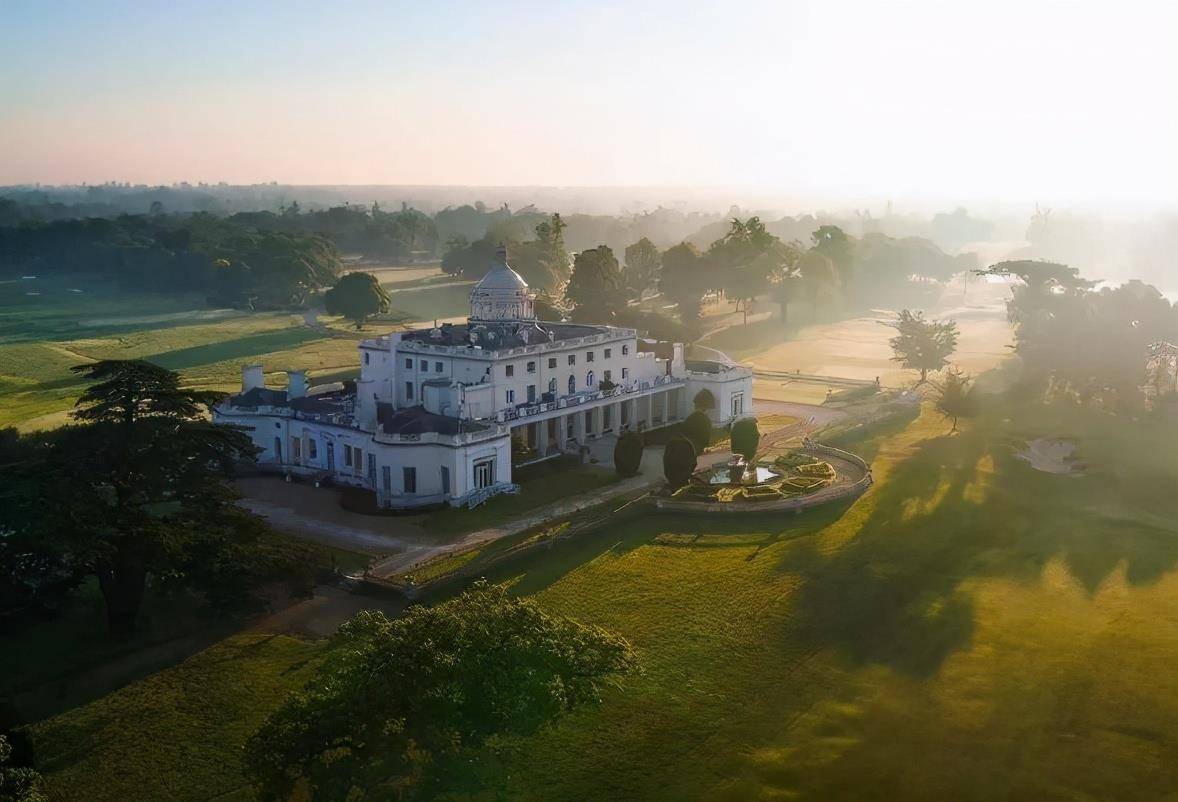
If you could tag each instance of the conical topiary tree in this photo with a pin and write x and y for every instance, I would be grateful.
(745, 438)
(678, 461)
(628, 454)
(698, 429)
(704, 401)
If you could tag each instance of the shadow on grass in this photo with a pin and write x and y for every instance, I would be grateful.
(240, 348)
(892, 595)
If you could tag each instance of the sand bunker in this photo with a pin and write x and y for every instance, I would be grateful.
(1051, 456)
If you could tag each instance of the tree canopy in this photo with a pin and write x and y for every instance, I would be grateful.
(357, 296)
(396, 696)
(595, 288)
(140, 488)
(956, 397)
(643, 261)
(923, 345)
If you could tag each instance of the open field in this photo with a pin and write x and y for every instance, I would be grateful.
(970, 629)
(858, 348)
(43, 334)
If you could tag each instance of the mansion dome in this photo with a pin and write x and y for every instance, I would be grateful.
(502, 294)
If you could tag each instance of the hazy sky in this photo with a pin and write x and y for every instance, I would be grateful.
(992, 100)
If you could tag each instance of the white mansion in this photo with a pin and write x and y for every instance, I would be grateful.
(439, 415)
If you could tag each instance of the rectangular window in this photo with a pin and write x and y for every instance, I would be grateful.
(625, 350)
(552, 362)
(588, 356)
(606, 375)
(531, 393)
(484, 473)
(311, 450)
(445, 480)
(572, 359)
(608, 351)
(437, 367)
(409, 390)
(511, 396)
(348, 456)
(371, 467)
(409, 477)
(358, 460)
(424, 365)
(408, 363)
(625, 373)
(386, 475)
(531, 367)
(367, 358)
(296, 449)
(510, 371)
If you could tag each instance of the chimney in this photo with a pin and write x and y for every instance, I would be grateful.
(296, 383)
(252, 377)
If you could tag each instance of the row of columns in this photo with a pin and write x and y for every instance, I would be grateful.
(578, 425)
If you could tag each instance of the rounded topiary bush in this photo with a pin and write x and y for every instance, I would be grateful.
(698, 429)
(628, 454)
(745, 437)
(704, 400)
(678, 461)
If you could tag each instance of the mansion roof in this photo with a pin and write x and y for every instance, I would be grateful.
(417, 420)
(506, 334)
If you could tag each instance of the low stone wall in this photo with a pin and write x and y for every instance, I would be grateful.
(858, 480)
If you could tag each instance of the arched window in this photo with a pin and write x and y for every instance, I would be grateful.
(589, 380)
(572, 384)
(552, 386)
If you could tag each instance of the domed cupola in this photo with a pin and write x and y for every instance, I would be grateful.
(501, 294)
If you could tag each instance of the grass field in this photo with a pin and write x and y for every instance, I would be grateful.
(969, 629)
(44, 333)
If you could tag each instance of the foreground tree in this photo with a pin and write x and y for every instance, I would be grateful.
(678, 461)
(923, 345)
(397, 695)
(628, 454)
(357, 296)
(595, 288)
(141, 489)
(18, 784)
(957, 398)
(746, 436)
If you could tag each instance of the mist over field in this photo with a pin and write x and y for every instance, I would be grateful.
(613, 401)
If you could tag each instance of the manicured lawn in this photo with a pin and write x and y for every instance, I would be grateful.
(176, 735)
(969, 629)
(43, 335)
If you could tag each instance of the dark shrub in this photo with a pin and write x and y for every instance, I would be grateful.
(628, 454)
(704, 400)
(745, 437)
(698, 429)
(678, 461)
